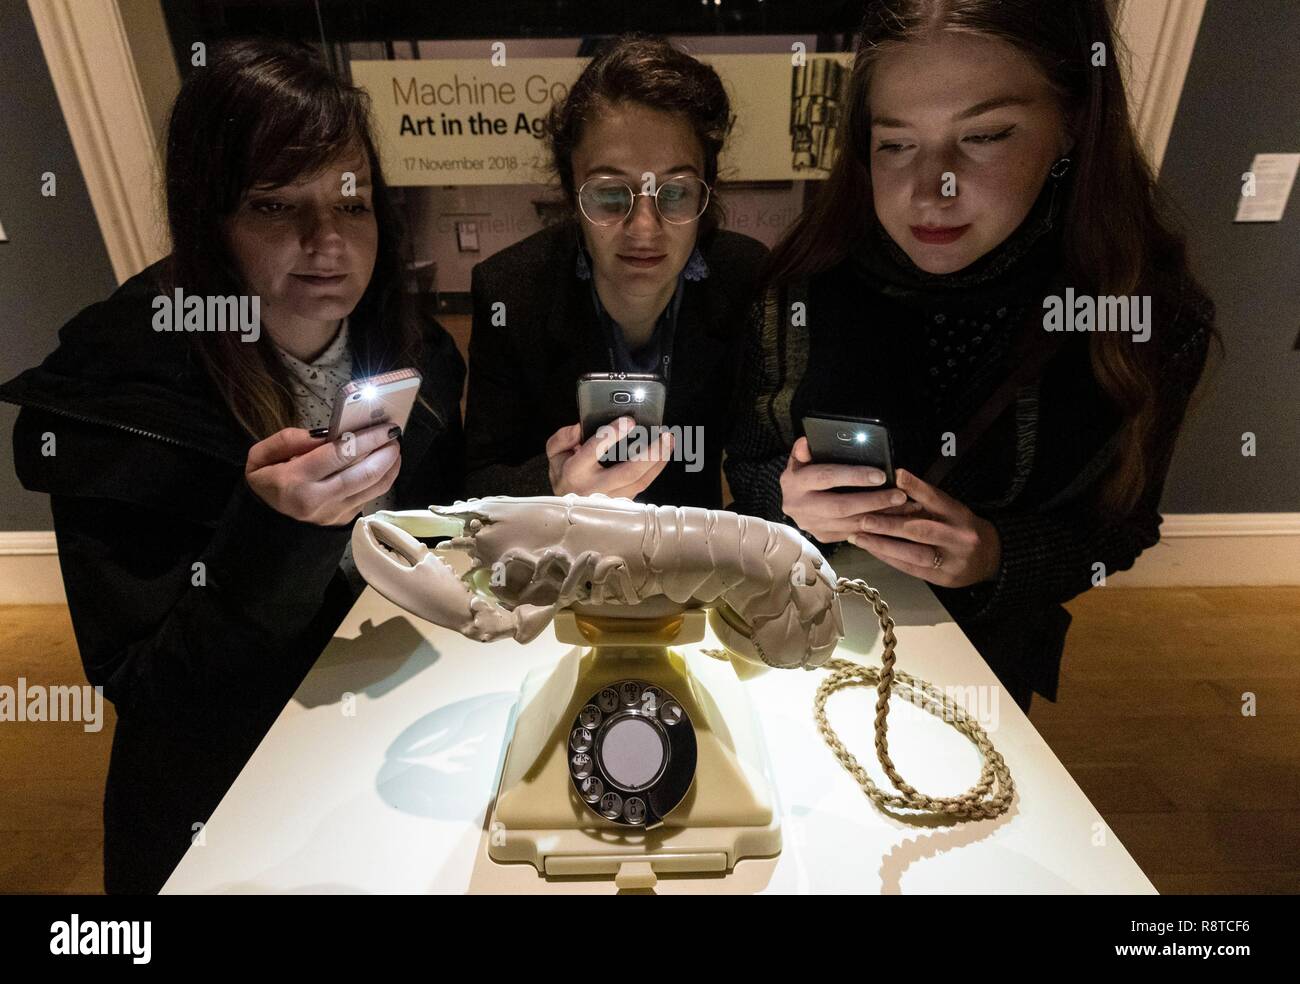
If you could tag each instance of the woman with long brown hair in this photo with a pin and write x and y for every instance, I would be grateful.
(988, 207)
(202, 517)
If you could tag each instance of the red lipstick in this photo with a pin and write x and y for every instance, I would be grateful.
(939, 235)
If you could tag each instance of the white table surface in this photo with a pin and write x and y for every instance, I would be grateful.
(390, 791)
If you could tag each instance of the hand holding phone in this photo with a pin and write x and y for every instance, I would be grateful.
(325, 483)
(575, 465)
(808, 498)
(841, 470)
(386, 398)
(841, 440)
(603, 397)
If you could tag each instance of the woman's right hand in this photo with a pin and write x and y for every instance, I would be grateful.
(310, 479)
(576, 467)
(833, 516)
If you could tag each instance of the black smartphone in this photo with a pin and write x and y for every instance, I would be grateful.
(845, 440)
(603, 397)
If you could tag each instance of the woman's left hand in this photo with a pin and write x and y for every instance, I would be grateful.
(968, 545)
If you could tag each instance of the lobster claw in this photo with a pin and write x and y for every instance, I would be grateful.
(413, 576)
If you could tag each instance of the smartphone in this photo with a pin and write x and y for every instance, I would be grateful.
(603, 397)
(386, 398)
(844, 440)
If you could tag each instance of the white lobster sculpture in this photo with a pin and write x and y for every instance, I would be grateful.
(770, 594)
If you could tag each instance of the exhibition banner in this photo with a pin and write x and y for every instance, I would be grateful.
(470, 121)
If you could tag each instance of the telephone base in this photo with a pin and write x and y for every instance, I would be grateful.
(729, 812)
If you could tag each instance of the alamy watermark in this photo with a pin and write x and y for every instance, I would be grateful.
(73, 937)
(1084, 312)
(642, 443)
(179, 311)
(958, 703)
(41, 703)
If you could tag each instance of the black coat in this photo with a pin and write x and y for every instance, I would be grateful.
(1061, 433)
(146, 481)
(523, 376)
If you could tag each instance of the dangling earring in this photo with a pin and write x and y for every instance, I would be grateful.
(584, 268)
(1059, 169)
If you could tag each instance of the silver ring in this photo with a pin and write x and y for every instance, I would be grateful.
(938, 558)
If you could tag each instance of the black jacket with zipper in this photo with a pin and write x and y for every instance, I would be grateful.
(196, 606)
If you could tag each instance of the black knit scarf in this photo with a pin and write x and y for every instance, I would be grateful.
(980, 309)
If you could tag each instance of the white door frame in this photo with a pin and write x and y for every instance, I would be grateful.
(89, 57)
(1159, 36)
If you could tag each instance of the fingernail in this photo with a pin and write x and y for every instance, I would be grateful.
(876, 477)
(898, 498)
(394, 431)
(319, 432)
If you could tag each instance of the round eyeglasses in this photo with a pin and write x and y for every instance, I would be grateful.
(607, 201)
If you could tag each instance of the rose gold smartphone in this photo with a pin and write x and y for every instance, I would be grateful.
(362, 403)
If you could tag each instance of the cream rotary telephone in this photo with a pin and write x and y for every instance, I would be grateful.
(630, 579)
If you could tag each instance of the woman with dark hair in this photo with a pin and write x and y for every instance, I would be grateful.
(987, 175)
(202, 516)
(640, 279)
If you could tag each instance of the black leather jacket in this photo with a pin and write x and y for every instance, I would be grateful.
(144, 465)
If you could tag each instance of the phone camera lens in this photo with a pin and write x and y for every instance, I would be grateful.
(622, 396)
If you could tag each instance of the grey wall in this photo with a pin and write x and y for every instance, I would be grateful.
(54, 263)
(1242, 97)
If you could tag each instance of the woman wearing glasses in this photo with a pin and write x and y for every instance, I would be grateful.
(639, 280)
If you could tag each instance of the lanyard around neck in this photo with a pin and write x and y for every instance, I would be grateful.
(665, 329)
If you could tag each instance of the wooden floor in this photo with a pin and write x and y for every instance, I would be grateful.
(1149, 722)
